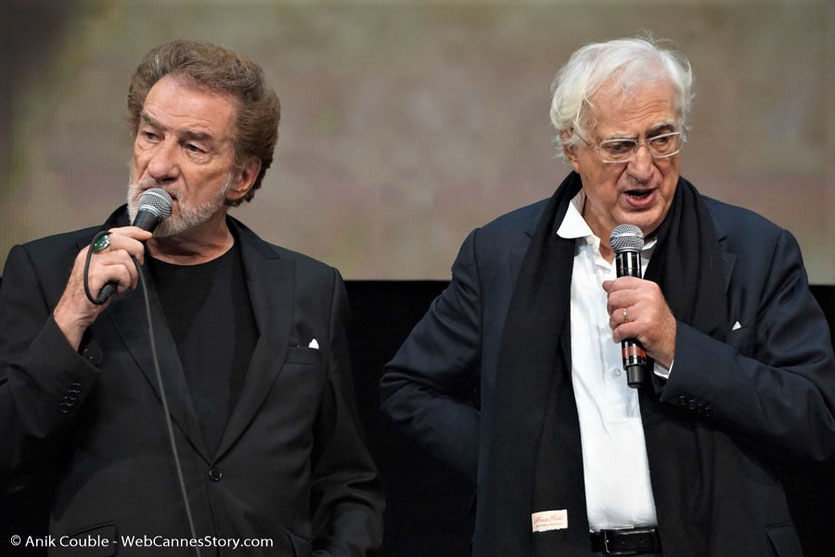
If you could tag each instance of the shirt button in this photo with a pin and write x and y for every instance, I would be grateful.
(617, 372)
(589, 240)
(215, 474)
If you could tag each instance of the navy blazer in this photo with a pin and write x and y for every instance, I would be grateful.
(768, 392)
(292, 465)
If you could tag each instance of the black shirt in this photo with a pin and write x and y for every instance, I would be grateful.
(210, 317)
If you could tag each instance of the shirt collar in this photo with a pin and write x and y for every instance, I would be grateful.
(574, 226)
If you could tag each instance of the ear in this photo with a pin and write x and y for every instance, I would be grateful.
(570, 151)
(244, 180)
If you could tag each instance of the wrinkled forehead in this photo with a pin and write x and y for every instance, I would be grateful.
(642, 105)
(177, 103)
(191, 84)
(620, 93)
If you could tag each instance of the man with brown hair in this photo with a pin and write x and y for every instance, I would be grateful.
(250, 340)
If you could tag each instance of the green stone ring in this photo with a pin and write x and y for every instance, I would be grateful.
(101, 244)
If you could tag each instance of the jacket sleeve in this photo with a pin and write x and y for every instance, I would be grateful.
(43, 380)
(428, 389)
(347, 497)
(772, 384)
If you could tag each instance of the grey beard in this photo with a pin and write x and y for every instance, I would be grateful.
(187, 216)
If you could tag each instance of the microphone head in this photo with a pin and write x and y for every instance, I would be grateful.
(156, 201)
(626, 237)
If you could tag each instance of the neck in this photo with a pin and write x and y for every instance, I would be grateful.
(601, 230)
(200, 244)
(606, 251)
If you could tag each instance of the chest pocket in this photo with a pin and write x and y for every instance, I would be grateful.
(302, 375)
(304, 356)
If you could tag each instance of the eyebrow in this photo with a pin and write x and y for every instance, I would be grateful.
(668, 125)
(662, 126)
(185, 134)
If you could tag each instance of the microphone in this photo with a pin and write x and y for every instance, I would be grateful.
(626, 241)
(154, 207)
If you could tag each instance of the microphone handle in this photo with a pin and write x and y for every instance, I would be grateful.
(628, 264)
(146, 220)
(634, 362)
(106, 292)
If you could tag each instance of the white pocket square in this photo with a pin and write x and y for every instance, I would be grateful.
(736, 326)
(313, 344)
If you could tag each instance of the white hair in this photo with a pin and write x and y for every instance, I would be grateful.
(621, 64)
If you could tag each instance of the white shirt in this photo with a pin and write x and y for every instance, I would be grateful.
(615, 468)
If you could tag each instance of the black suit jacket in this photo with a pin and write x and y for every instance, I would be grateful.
(767, 396)
(292, 465)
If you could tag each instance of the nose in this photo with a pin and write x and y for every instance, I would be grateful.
(640, 167)
(163, 165)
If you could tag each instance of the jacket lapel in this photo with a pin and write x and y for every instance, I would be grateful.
(564, 253)
(728, 259)
(269, 279)
(128, 315)
(270, 285)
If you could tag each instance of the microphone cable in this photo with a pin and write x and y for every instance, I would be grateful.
(163, 396)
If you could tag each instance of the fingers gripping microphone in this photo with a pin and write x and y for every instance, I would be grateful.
(154, 207)
(626, 241)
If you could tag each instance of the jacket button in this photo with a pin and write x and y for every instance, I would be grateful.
(92, 352)
(215, 474)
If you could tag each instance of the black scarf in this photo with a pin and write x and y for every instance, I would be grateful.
(535, 459)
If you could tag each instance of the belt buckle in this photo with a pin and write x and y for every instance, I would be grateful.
(622, 534)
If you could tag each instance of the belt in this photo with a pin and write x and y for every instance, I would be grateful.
(630, 541)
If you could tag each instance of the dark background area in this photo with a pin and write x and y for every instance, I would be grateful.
(429, 505)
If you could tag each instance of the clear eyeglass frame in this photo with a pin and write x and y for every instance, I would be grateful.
(629, 147)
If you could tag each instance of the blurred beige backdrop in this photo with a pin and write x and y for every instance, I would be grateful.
(406, 123)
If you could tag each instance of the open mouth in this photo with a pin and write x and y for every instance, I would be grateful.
(638, 194)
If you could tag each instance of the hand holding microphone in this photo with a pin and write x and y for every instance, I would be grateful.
(154, 207)
(638, 314)
(111, 269)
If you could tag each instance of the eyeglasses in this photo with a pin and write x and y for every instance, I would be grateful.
(616, 151)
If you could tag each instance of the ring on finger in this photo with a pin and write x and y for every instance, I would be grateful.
(102, 243)
(625, 316)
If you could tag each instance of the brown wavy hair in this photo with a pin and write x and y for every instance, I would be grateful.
(222, 71)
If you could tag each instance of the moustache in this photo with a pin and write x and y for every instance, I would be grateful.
(148, 183)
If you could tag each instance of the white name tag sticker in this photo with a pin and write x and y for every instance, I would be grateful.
(549, 520)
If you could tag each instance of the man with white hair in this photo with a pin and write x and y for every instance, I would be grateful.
(567, 459)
